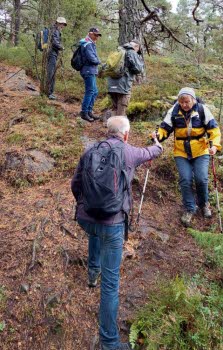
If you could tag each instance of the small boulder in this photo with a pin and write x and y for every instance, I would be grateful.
(32, 162)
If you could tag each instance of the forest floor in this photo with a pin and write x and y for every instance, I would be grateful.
(45, 302)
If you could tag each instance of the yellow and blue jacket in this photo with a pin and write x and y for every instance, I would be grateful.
(191, 132)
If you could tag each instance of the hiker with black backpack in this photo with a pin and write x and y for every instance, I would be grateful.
(89, 71)
(119, 88)
(102, 188)
(54, 48)
(191, 121)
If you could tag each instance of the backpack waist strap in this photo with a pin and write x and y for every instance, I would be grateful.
(191, 137)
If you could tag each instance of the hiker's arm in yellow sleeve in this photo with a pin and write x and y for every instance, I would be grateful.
(166, 127)
(212, 128)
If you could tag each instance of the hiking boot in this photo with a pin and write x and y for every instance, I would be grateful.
(52, 97)
(86, 117)
(91, 115)
(186, 218)
(206, 211)
(93, 281)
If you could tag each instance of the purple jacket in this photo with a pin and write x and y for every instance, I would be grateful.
(134, 157)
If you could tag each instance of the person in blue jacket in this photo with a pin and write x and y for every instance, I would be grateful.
(55, 47)
(89, 72)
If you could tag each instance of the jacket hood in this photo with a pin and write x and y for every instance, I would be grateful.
(82, 41)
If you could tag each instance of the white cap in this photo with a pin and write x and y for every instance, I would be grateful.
(61, 20)
(187, 91)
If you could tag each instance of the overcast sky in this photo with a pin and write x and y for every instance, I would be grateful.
(174, 4)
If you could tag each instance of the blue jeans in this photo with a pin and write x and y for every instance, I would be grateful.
(91, 92)
(194, 169)
(51, 73)
(105, 255)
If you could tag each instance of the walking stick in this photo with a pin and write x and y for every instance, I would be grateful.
(215, 187)
(142, 197)
(144, 187)
(12, 75)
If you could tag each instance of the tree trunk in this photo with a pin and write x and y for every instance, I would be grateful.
(129, 21)
(17, 12)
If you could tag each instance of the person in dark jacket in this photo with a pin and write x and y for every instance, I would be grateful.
(89, 71)
(120, 89)
(54, 48)
(106, 235)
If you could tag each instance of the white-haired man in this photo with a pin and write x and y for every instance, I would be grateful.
(106, 234)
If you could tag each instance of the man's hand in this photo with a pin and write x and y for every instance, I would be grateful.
(155, 140)
(212, 150)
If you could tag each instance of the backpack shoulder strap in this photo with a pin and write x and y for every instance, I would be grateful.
(201, 112)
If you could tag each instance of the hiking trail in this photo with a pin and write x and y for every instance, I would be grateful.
(43, 253)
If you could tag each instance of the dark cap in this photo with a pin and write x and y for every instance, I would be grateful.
(95, 30)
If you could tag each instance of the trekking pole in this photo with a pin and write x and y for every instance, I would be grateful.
(13, 75)
(144, 187)
(142, 197)
(215, 187)
(62, 71)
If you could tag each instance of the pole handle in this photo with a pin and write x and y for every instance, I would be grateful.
(211, 143)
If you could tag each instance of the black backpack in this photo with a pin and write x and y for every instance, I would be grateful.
(77, 59)
(104, 179)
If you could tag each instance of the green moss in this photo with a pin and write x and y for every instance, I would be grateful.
(104, 103)
(15, 139)
(137, 107)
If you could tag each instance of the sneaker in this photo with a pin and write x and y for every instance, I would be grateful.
(91, 115)
(86, 117)
(206, 211)
(52, 97)
(93, 281)
(186, 218)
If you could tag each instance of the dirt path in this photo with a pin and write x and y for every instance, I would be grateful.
(45, 303)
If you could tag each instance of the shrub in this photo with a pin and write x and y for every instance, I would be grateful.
(181, 315)
(212, 244)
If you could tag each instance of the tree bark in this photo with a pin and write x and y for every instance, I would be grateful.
(17, 18)
(129, 21)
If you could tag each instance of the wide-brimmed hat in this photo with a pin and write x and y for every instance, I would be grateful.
(187, 91)
(95, 30)
(136, 41)
(61, 20)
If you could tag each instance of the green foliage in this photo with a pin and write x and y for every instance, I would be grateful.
(212, 244)
(2, 296)
(2, 326)
(104, 103)
(137, 107)
(181, 315)
(15, 139)
(17, 56)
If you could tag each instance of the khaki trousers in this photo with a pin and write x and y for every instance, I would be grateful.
(119, 103)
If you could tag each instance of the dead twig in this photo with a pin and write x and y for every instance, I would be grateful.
(37, 240)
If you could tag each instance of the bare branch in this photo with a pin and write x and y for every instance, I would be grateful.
(154, 15)
(193, 13)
